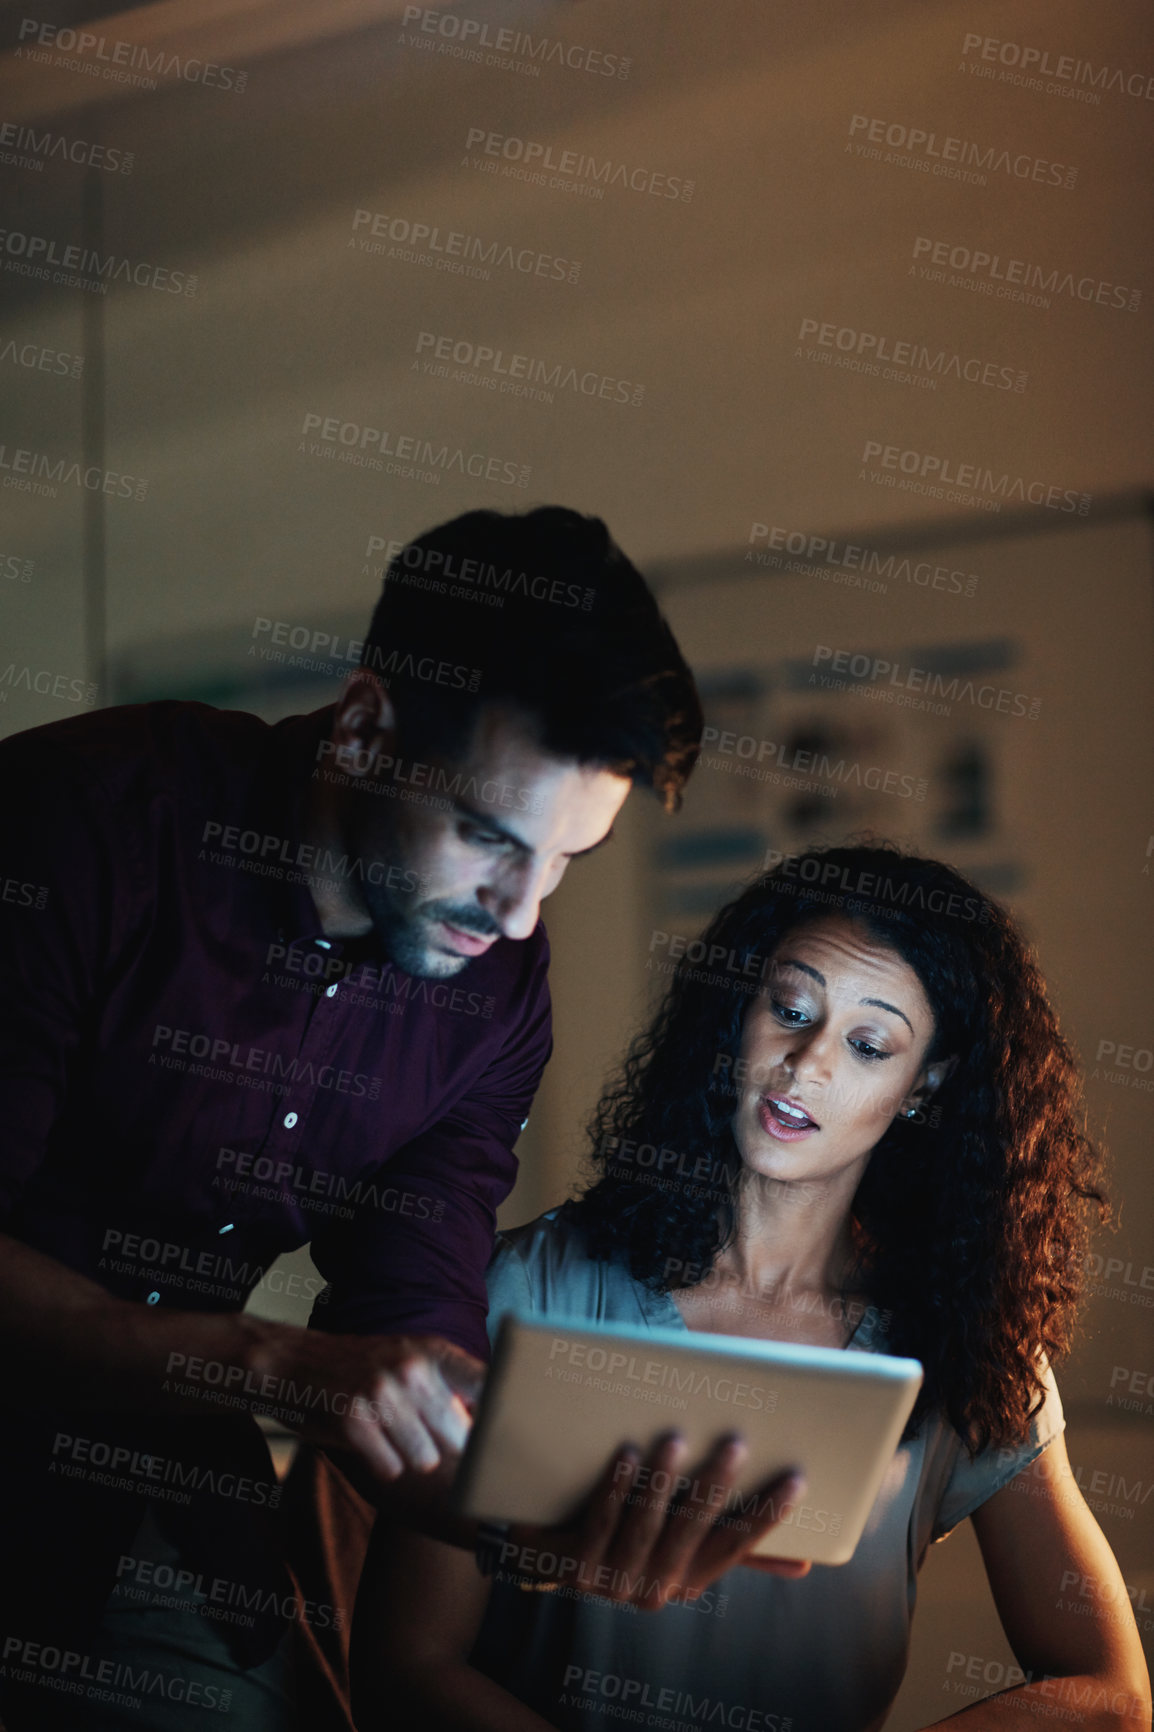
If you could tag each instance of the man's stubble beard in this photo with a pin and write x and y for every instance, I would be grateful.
(404, 935)
(402, 922)
(403, 925)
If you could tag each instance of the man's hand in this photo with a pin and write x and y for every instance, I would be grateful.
(397, 1402)
(395, 1408)
(652, 1532)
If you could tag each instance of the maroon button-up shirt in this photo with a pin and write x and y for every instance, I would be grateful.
(193, 1080)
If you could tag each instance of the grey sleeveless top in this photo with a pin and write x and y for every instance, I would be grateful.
(756, 1653)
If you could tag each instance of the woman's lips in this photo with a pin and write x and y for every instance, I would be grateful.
(784, 1119)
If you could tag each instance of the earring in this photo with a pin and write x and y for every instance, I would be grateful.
(910, 1113)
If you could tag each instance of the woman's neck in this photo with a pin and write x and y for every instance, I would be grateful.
(793, 1236)
(784, 1274)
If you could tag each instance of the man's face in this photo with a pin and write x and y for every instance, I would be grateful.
(484, 842)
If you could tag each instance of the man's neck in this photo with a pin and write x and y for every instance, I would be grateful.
(340, 909)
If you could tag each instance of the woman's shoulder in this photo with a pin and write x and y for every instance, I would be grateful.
(962, 1481)
(547, 1261)
(547, 1267)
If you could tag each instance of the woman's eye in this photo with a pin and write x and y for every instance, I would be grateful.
(788, 1013)
(864, 1049)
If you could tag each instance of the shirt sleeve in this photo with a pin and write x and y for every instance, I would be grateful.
(973, 1481)
(56, 929)
(510, 1288)
(417, 1264)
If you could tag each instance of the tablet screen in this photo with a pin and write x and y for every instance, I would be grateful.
(562, 1396)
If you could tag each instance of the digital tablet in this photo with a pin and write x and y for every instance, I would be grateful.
(562, 1396)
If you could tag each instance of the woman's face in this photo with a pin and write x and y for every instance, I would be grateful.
(832, 1050)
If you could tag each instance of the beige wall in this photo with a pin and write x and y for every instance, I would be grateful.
(701, 302)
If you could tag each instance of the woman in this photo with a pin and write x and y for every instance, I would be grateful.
(893, 1161)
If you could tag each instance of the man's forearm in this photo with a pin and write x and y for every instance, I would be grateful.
(398, 1402)
(66, 1341)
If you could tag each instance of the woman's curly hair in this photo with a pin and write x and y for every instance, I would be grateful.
(970, 1222)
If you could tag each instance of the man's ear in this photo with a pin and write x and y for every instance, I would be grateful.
(364, 724)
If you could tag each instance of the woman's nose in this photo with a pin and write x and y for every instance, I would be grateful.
(808, 1053)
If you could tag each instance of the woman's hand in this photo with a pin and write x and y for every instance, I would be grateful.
(652, 1532)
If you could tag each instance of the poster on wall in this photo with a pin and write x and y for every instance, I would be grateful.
(815, 752)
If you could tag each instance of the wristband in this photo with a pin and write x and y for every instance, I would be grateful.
(491, 1536)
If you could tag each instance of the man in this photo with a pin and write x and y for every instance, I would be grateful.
(230, 1028)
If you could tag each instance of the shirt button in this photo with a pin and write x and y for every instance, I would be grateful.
(290, 1120)
(153, 1299)
(331, 991)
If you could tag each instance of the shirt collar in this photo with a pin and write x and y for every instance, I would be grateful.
(290, 764)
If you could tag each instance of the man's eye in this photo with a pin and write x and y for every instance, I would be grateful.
(484, 838)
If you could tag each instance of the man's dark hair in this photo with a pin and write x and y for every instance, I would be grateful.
(541, 611)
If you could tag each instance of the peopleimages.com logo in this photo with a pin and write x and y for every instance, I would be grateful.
(38, 358)
(24, 147)
(177, 1045)
(649, 1703)
(447, 573)
(537, 160)
(367, 447)
(744, 755)
(634, 1372)
(40, 472)
(955, 158)
(120, 61)
(67, 1670)
(47, 684)
(452, 250)
(874, 347)
(846, 559)
(499, 46)
(876, 676)
(937, 471)
(1013, 279)
(512, 374)
(83, 267)
(1023, 63)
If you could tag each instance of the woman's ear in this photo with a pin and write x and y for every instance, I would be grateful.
(936, 1073)
(927, 1085)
